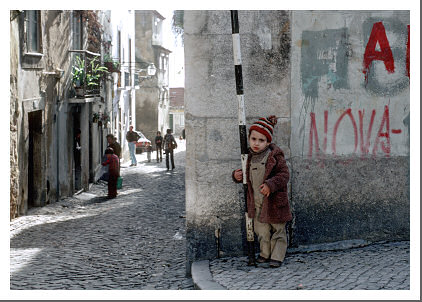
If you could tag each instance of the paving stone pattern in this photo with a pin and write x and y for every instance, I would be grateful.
(135, 241)
(376, 266)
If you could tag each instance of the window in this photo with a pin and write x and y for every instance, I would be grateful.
(77, 31)
(33, 31)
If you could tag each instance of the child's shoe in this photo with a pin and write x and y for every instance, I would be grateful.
(275, 263)
(262, 259)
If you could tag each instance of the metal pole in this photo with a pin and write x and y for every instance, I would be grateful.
(242, 131)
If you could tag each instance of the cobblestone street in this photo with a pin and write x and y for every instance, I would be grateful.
(382, 266)
(135, 241)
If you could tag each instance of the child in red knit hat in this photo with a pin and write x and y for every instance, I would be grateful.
(268, 204)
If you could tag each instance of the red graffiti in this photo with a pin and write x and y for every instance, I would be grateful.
(324, 146)
(313, 132)
(382, 138)
(364, 145)
(378, 36)
(349, 113)
(385, 147)
(408, 52)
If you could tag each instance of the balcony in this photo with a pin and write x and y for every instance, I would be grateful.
(87, 72)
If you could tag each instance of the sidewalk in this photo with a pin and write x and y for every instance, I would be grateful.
(345, 265)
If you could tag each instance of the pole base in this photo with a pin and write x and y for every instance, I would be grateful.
(251, 253)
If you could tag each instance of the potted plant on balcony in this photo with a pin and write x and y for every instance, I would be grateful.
(88, 77)
(95, 117)
(95, 73)
(110, 64)
(78, 73)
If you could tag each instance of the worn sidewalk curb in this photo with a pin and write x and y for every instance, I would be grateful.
(202, 278)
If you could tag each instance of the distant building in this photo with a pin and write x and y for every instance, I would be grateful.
(121, 34)
(152, 97)
(177, 110)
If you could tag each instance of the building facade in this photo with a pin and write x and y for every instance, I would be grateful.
(177, 110)
(122, 51)
(58, 121)
(338, 82)
(152, 97)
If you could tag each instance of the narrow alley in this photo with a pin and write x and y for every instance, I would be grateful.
(135, 241)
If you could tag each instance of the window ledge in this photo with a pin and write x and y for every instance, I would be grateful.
(34, 54)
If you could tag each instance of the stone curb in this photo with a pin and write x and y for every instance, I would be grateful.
(202, 278)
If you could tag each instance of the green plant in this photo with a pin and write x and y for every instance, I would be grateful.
(96, 71)
(95, 117)
(108, 58)
(78, 72)
(87, 76)
(115, 63)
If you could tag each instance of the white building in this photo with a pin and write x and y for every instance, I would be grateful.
(121, 34)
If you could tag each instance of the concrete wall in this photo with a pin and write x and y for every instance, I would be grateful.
(307, 68)
(213, 148)
(350, 126)
(14, 117)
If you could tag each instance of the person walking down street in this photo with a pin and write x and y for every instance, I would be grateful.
(169, 145)
(132, 137)
(149, 150)
(158, 145)
(113, 170)
(267, 176)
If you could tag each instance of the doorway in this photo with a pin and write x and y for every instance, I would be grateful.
(35, 159)
(77, 169)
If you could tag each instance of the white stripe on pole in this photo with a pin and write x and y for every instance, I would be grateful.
(241, 111)
(236, 49)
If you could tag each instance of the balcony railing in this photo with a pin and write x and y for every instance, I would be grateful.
(87, 73)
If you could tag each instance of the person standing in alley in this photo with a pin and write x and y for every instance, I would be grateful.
(267, 176)
(132, 137)
(169, 145)
(113, 172)
(158, 145)
(112, 143)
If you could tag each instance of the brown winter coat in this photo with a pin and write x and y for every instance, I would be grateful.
(275, 207)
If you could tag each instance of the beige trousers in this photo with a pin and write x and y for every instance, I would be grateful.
(271, 246)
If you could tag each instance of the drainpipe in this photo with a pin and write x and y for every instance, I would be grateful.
(59, 74)
(57, 120)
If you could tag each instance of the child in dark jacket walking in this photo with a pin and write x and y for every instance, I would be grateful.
(267, 177)
(113, 170)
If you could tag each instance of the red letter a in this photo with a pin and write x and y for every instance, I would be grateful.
(378, 35)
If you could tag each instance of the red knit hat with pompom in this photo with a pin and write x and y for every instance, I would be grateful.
(265, 126)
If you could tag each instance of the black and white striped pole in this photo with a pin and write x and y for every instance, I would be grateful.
(242, 131)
